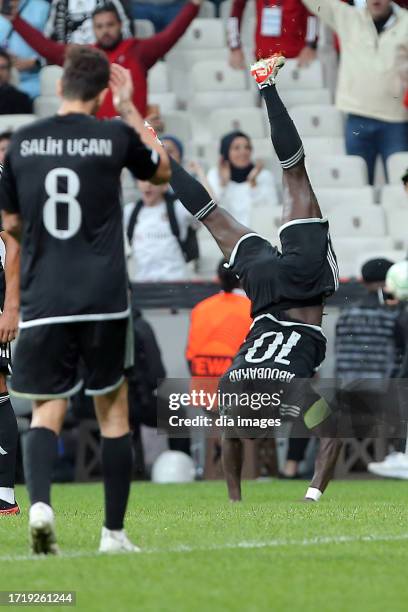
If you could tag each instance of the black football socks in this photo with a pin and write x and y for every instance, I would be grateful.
(117, 462)
(40, 454)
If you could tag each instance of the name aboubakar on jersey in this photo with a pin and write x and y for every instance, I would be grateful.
(71, 146)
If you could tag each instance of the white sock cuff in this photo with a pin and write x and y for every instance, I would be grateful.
(313, 493)
(7, 495)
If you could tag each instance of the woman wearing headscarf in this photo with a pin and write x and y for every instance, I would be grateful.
(238, 183)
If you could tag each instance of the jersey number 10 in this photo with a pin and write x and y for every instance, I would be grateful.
(66, 198)
(272, 347)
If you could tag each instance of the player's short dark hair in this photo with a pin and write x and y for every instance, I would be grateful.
(228, 280)
(6, 56)
(6, 135)
(86, 73)
(108, 7)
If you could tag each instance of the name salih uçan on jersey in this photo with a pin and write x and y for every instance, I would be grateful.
(71, 146)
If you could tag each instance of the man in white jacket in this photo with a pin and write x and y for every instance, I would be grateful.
(370, 88)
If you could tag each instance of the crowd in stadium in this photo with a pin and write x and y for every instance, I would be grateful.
(345, 84)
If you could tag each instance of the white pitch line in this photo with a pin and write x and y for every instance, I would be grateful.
(248, 545)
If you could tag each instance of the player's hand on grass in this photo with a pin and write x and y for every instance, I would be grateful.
(237, 59)
(121, 85)
(8, 324)
(253, 175)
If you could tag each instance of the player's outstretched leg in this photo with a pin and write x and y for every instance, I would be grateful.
(40, 454)
(232, 458)
(299, 199)
(8, 452)
(117, 461)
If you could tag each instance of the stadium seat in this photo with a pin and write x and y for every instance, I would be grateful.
(248, 32)
(300, 97)
(178, 123)
(207, 10)
(49, 76)
(158, 79)
(167, 102)
(397, 165)
(397, 220)
(266, 220)
(46, 106)
(337, 171)
(249, 120)
(331, 198)
(357, 221)
(203, 34)
(293, 77)
(348, 250)
(13, 122)
(323, 146)
(143, 28)
(318, 120)
(394, 196)
(215, 85)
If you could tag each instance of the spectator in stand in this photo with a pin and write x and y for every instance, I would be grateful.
(12, 100)
(239, 183)
(159, 12)
(218, 327)
(282, 26)
(173, 146)
(156, 253)
(404, 179)
(5, 138)
(369, 87)
(24, 58)
(136, 55)
(70, 21)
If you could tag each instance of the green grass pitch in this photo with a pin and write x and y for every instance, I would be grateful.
(349, 552)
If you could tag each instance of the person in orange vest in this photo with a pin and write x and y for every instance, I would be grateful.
(219, 325)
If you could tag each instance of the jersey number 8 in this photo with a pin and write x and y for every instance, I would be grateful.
(272, 347)
(67, 199)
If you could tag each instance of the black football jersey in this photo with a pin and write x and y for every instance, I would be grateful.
(62, 176)
(302, 274)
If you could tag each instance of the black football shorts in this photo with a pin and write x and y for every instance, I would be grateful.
(48, 357)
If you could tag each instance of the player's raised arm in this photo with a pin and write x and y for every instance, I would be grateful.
(9, 316)
(122, 90)
(225, 230)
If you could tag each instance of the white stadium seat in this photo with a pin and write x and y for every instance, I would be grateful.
(207, 10)
(248, 120)
(248, 33)
(216, 76)
(13, 122)
(397, 165)
(166, 101)
(357, 221)
(318, 120)
(330, 198)
(394, 196)
(397, 220)
(46, 106)
(159, 78)
(225, 10)
(266, 220)
(203, 34)
(337, 171)
(49, 76)
(143, 28)
(293, 77)
(300, 97)
(348, 250)
(323, 146)
(178, 124)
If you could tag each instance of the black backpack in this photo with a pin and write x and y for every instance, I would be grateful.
(189, 246)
